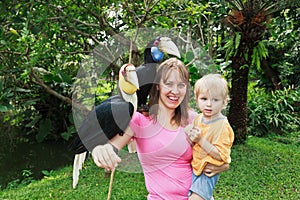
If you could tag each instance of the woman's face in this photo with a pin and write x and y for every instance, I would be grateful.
(172, 90)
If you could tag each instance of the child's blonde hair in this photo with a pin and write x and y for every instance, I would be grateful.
(212, 83)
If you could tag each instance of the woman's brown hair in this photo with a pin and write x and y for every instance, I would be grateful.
(181, 112)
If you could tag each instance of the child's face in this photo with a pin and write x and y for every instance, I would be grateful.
(210, 104)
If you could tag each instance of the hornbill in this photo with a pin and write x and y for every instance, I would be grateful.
(109, 118)
(153, 54)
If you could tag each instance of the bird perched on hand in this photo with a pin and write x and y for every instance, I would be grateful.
(153, 54)
(109, 118)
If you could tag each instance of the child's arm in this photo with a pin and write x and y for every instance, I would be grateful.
(209, 148)
(194, 134)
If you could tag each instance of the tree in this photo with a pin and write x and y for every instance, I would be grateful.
(248, 21)
(43, 43)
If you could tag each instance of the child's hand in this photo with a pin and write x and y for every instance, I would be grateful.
(187, 130)
(193, 133)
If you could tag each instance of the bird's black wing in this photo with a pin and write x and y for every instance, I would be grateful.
(109, 118)
(146, 74)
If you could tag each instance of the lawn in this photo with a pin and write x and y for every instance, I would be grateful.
(260, 169)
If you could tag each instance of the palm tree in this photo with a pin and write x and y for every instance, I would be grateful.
(248, 21)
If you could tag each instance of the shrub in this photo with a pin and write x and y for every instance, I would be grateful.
(273, 113)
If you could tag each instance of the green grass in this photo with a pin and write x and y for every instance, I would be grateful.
(260, 169)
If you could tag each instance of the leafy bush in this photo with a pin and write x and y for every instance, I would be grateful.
(273, 113)
(26, 180)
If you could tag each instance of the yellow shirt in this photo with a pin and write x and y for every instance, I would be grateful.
(220, 134)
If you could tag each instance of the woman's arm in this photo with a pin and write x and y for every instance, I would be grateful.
(105, 156)
(211, 170)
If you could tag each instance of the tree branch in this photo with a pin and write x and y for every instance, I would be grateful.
(37, 80)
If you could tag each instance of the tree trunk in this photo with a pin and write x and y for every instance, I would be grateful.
(271, 75)
(238, 104)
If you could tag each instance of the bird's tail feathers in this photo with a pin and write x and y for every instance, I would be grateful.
(77, 166)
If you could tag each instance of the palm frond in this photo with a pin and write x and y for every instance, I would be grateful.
(236, 4)
(268, 7)
(241, 4)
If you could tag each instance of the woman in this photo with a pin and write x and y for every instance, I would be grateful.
(163, 149)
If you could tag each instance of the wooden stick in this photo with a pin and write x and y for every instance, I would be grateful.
(130, 58)
(130, 52)
(131, 41)
(110, 184)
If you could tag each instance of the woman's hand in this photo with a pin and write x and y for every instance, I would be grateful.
(105, 157)
(211, 170)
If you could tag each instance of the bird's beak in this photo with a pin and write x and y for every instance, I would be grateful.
(166, 45)
(128, 82)
(133, 79)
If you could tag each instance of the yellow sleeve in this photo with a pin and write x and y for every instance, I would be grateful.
(224, 143)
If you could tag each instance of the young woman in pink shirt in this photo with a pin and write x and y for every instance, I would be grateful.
(164, 152)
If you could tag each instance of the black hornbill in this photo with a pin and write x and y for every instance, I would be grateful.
(109, 118)
(153, 54)
(113, 115)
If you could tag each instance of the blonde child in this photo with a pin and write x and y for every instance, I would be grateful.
(211, 133)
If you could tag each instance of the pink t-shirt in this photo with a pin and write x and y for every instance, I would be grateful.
(165, 156)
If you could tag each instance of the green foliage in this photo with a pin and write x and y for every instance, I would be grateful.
(68, 134)
(5, 96)
(44, 129)
(249, 19)
(232, 45)
(47, 173)
(259, 52)
(276, 112)
(27, 178)
(104, 90)
(261, 169)
(198, 64)
(281, 42)
(284, 43)
(52, 38)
